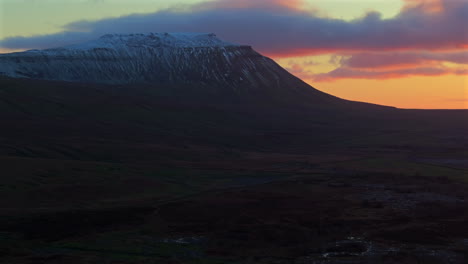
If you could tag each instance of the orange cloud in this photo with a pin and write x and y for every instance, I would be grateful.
(395, 60)
(380, 65)
(350, 73)
(428, 6)
(296, 5)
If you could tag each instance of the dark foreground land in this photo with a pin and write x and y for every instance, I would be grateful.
(101, 175)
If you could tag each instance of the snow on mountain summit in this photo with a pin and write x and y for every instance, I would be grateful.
(154, 40)
(119, 58)
(174, 59)
(163, 60)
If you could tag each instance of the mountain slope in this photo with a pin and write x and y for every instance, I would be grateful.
(200, 60)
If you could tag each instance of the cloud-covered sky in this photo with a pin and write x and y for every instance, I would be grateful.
(283, 27)
(424, 38)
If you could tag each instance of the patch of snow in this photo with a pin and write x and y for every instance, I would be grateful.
(154, 40)
(147, 58)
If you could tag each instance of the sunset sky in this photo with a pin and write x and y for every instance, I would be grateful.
(404, 53)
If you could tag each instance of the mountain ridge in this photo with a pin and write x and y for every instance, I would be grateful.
(186, 59)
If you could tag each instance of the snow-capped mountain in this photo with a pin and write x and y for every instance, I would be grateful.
(157, 58)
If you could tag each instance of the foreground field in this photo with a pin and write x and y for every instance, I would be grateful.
(111, 174)
(338, 209)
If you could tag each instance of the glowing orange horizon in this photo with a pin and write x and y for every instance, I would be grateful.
(433, 92)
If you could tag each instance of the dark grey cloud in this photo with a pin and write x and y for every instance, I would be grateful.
(279, 30)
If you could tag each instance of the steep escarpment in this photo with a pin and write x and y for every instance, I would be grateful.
(201, 60)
